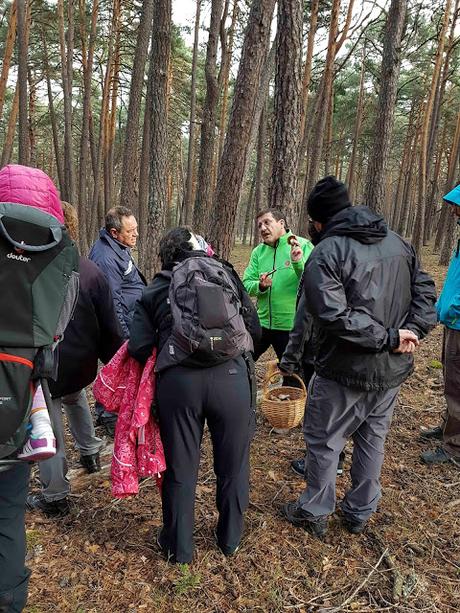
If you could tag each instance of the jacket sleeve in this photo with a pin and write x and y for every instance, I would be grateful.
(251, 275)
(114, 277)
(298, 267)
(422, 312)
(111, 336)
(300, 334)
(327, 302)
(144, 334)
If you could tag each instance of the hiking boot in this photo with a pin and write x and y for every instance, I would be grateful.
(298, 466)
(432, 433)
(108, 424)
(439, 456)
(354, 526)
(53, 508)
(301, 519)
(91, 463)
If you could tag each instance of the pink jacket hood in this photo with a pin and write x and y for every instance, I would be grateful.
(32, 187)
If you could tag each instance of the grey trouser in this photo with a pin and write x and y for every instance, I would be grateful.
(53, 472)
(451, 362)
(14, 576)
(335, 413)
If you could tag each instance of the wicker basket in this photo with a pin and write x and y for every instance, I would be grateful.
(283, 414)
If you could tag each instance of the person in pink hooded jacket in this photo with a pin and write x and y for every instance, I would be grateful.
(31, 187)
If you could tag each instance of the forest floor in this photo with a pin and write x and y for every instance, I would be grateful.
(103, 556)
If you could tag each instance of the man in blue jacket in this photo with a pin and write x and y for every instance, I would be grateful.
(448, 309)
(112, 254)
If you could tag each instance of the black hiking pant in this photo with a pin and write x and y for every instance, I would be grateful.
(187, 398)
(14, 576)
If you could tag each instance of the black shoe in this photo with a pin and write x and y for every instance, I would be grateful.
(54, 508)
(227, 551)
(439, 456)
(432, 433)
(300, 519)
(92, 462)
(108, 423)
(354, 526)
(165, 547)
(298, 466)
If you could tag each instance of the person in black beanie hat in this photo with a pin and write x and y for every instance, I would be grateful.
(328, 197)
(370, 303)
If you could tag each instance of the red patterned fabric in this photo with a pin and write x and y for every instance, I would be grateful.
(124, 387)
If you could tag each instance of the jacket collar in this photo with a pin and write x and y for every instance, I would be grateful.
(281, 241)
(116, 245)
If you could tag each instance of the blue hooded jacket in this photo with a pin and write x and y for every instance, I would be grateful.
(448, 305)
(125, 280)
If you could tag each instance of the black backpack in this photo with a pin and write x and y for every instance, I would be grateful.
(207, 315)
(39, 287)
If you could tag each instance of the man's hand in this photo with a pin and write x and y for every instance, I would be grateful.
(408, 341)
(296, 250)
(265, 281)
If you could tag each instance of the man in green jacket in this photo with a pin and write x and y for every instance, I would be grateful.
(273, 277)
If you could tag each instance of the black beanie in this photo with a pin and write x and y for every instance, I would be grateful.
(328, 197)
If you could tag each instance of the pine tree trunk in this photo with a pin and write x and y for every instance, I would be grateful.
(323, 100)
(69, 187)
(144, 180)
(287, 107)
(130, 170)
(54, 128)
(84, 171)
(308, 63)
(357, 131)
(158, 77)
(226, 63)
(236, 147)
(8, 144)
(417, 239)
(203, 199)
(188, 209)
(9, 48)
(22, 44)
(449, 227)
(374, 193)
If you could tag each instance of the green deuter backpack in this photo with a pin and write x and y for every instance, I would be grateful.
(38, 291)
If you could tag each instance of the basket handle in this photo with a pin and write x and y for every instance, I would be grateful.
(278, 372)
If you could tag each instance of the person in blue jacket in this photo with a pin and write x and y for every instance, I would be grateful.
(448, 310)
(112, 254)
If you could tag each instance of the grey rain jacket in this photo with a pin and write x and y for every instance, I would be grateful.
(362, 283)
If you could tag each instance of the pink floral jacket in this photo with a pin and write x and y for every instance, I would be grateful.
(125, 387)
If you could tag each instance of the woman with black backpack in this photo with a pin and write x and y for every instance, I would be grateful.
(202, 323)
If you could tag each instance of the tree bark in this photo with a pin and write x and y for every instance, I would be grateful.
(204, 191)
(374, 193)
(9, 48)
(8, 144)
(234, 156)
(188, 199)
(417, 239)
(23, 131)
(449, 228)
(287, 105)
(68, 191)
(357, 131)
(130, 172)
(308, 64)
(158, 76)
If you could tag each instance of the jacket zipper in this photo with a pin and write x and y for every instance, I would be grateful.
(270, 288)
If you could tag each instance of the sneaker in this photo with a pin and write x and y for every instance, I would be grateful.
(298, 466)
(53, 508)
(439, 456)
(92, 462)
(432, 433)
(301, 519)
(354, 526)
(37, 449)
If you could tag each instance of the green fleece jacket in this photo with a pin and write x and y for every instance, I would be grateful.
(276, 305)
